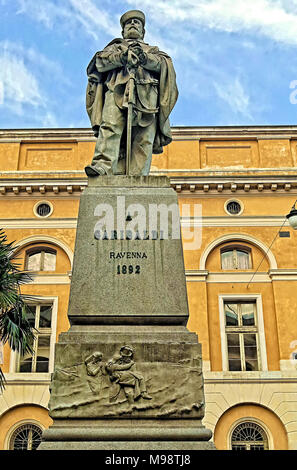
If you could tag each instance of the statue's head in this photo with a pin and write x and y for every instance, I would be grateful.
(126, 351)
(133, 23)
(97, 356)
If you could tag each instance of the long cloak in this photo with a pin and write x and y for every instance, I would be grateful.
(167, 96)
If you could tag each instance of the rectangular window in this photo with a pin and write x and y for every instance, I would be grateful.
(40, 317)
(242, 335)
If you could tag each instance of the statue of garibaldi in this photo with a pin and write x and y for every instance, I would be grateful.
(131, 92)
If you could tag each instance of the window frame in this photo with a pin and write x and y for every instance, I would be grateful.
(42, 332)
(35, 208)
(246, 443)
(42, 250)
(15, 356)
(261, 343)
(250, 419)
(242, 330)
(18, 425)
(238, 202)
(236, 247)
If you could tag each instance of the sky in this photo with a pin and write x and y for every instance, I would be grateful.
(235, 60)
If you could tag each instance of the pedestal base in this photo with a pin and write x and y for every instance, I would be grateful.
(128, 373)
(127, 445)
(125, 435)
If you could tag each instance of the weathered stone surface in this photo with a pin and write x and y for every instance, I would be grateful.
(103, 289)
(114, 434)
(128, 373)
(168, 371)
(127, 445)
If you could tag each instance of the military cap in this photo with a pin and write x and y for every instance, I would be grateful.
(126, 351)
(132, 14)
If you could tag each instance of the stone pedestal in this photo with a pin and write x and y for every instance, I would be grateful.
(128, 373)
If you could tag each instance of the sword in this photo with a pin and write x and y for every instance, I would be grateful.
(131, 102)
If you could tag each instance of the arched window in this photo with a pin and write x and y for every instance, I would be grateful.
(40, 259)
(249, 436)
(26, 437)
(236, 257)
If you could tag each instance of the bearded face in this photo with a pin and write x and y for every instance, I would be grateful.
(133, 29)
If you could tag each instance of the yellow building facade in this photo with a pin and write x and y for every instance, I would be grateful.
(235, 186)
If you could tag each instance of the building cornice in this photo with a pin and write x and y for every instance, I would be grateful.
(13, 183)
(178, 133)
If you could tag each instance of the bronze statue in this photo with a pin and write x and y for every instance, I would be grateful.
(131, 92)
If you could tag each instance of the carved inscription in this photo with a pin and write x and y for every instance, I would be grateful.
(127, 255)
(128, 235)
(123, 269)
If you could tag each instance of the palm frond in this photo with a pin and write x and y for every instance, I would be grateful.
(2, 381)
(15, 327)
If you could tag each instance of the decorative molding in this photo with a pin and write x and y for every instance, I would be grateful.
(26, 393)
(240, 237)
(48, 239)
(178, 133)
(33, 378)
(225, 277)
(259, 377)
(46, 279)
(34, 188)
(35, 183)
(232, 184)
(69, 223)
(283, 274)
(220, 221)
(237, 277)
(234, 221)
(242, 277)
(196, 275)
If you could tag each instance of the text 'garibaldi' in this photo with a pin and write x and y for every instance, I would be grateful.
(109, 99)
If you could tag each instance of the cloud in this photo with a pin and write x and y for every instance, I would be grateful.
(94, 18)
(18, 83)
(71, 16)
(21, 81)
(235, 96)
(45, 12)
(275, 19)
(214, 67)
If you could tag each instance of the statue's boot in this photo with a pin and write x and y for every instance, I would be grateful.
(94, 170)
(146, 396)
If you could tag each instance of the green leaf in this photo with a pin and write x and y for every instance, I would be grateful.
(2, 381)
(15, 328)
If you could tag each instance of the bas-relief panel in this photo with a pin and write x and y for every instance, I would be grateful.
(49, 156)
(152, 380)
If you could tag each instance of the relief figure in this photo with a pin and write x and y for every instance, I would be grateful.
(122, 372)
(95, 369)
